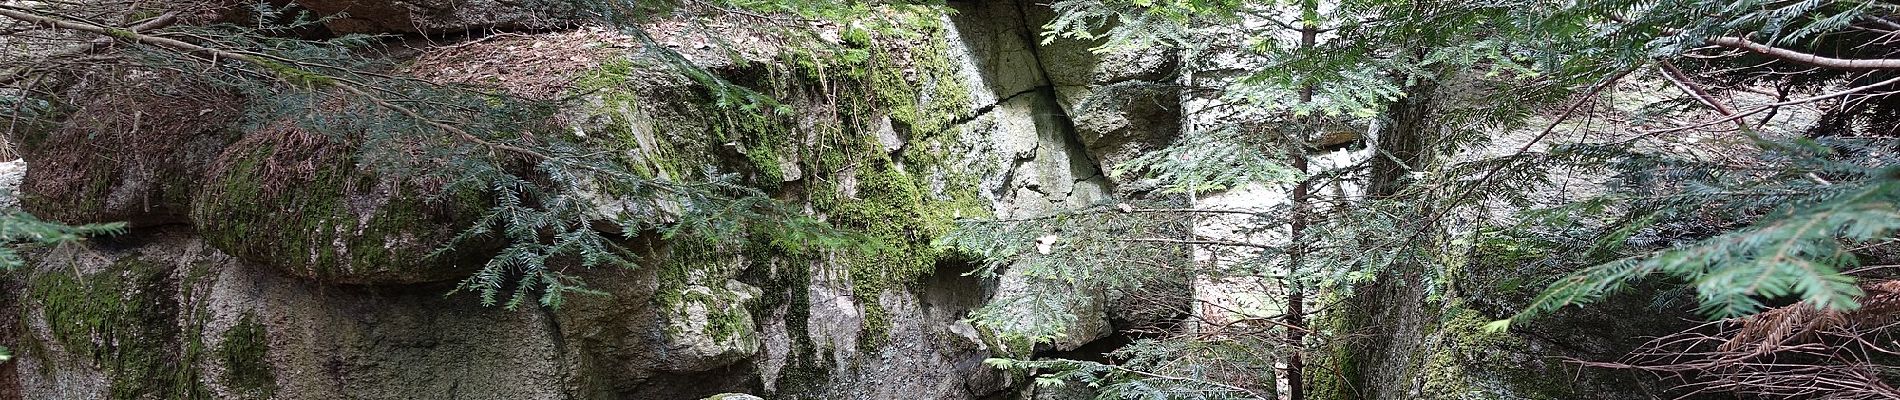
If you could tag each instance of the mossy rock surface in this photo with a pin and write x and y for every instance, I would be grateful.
(125, 321)
(245, 353)
(303, 203)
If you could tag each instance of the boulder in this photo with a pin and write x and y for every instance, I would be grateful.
(301, 202)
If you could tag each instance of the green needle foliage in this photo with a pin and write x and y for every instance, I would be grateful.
(1162, 370)
(21, 229)
(1803, 238)
(553, 202)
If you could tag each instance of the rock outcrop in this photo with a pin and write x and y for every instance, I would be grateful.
(268, 260)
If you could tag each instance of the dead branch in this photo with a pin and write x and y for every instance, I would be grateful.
(1795, 351)
(1805, 58)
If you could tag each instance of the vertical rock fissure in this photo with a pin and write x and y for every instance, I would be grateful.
(557, 336)
(1049, 103)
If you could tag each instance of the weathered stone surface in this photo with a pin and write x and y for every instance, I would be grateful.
(1026, 143)
(302, 202)
(11, 172)
(997, 50)
(304, 259)
(162, 311)
(1122, 120)
(1084, 64)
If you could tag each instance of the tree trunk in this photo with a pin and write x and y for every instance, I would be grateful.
(1296, 240)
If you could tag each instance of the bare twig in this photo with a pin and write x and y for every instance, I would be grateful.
(160, 22)
(1805, 58)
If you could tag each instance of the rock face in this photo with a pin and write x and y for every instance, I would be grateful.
(270, 261)
(168, 316)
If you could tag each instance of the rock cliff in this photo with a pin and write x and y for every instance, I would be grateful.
(270, 261)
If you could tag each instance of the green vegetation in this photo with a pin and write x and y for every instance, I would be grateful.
(245, 353)
(125, 319)
(1740, 154)
(1484, 112)
(315, 224)
(887, 215)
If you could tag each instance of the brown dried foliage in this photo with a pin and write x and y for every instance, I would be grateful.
(1791, 352)
(130, 148)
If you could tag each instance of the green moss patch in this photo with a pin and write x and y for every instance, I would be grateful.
(818, 109)
(126, 320)
(300, 202)
(695, 273)
(246, 356)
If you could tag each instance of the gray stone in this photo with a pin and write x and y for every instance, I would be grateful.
(324, 342)
(10, 174)
(1120, 121)
(712, 329)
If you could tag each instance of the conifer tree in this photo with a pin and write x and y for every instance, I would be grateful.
(1807, 206)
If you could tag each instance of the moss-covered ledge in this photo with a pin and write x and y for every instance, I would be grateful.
(129, 150)
(301, 202)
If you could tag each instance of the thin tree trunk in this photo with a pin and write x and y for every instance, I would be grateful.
(1302, 193)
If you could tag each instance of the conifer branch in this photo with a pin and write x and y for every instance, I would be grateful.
(1587, 97)
(1201, 242)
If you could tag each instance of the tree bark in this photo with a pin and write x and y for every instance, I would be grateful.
(1401, 149)
(1296, 240)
